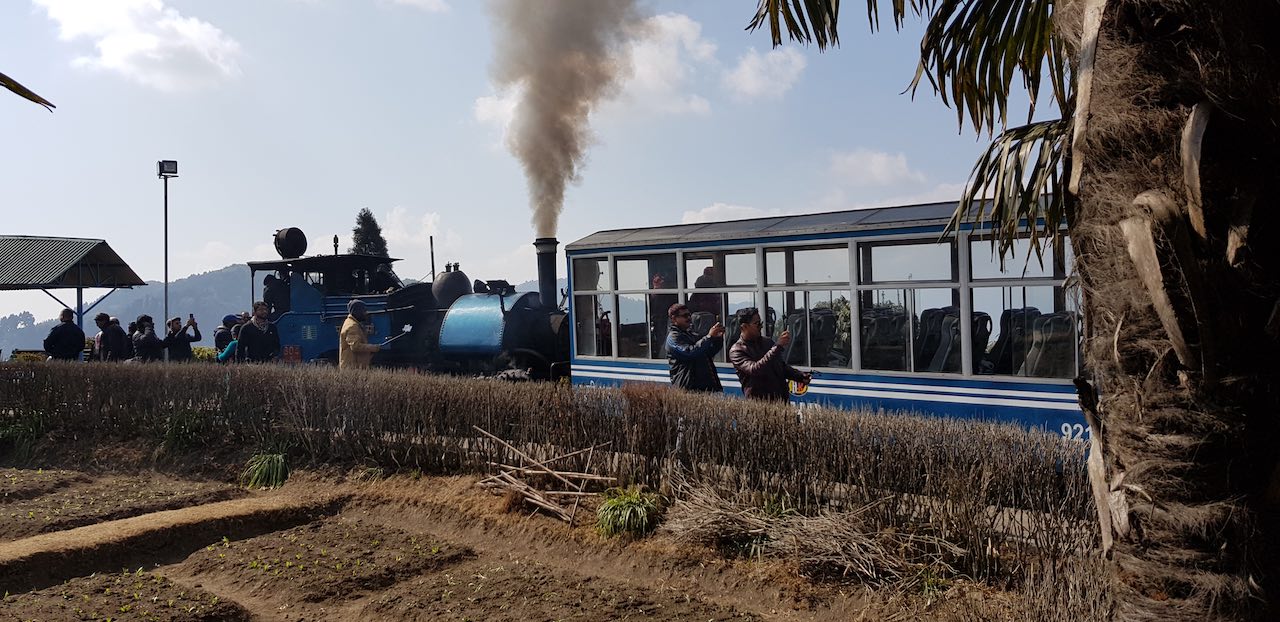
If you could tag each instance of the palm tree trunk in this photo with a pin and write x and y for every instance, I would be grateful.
(1181, 140)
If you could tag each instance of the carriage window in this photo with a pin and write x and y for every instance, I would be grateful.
(721, 269)
(647, 271)
(928, 261)
(1020, 261)
(799, 266)
(828, 329)
(786, 312)
(1024, 331)
(633, 326)
(591, 275)
(935, 330)
(659, 323)
(885, 331)
(593, 325)
(708, 308)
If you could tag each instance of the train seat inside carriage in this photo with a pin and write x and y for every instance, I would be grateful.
(1052, 351)
(884, 333)
(802, 333)
(702, 322)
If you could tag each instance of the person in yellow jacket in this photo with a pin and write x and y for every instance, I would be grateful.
(354, 349)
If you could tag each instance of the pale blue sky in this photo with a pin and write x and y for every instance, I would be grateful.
(300, 112)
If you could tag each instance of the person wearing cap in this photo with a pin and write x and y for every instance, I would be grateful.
(178, 340)
(147, 347)
(113, 344)
(259, 341)
(65, 341)
(762, 368)
(228, 353)
(354, 349)
(222, 334)
(692, 356)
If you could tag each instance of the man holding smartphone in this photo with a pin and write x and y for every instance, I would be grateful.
(178, 340)
(762, 368)
(692, 356)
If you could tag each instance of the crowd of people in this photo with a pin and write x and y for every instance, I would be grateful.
(244, 337)
(759, 362)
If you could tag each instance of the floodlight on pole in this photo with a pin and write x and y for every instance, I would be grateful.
(166, 169)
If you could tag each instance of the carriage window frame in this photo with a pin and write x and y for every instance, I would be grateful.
(866, 263)
(960, 244)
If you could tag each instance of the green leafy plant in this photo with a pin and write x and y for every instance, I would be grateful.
(265, 471)
(629, 511)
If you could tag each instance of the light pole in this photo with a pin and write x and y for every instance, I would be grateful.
(166, 169)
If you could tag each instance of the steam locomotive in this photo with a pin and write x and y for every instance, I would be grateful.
(450, 325)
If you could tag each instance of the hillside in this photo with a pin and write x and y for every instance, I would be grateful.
(209, 295)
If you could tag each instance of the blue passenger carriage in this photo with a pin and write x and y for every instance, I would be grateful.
(889, 313)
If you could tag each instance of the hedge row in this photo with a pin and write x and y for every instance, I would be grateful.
(1000, 491)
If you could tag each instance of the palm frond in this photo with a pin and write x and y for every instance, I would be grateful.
(973, 50)
(807, 21)
(1022, 171)
(16, 87)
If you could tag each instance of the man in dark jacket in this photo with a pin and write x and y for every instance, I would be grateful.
(259, 342)
(178, 341)
(65, 341)
(147, 347)
(114, 344)
(761, 365)
(222, 334)
(692, 358)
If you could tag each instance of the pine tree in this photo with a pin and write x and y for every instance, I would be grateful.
(366, 237)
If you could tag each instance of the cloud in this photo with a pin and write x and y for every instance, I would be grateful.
(717, 212)
(400, 226)
(764, 76)
(430, 6)
(665, 59)
(865, 168)
(147, 42)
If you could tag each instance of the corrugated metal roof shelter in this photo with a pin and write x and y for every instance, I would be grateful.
(772, 227)
(45, 263)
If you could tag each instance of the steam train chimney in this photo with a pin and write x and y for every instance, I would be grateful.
(547, 289)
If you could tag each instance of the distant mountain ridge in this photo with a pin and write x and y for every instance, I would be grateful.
(208, 295)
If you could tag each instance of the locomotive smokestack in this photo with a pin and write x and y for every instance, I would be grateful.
(547, 289)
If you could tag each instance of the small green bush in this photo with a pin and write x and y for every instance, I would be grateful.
(204, 354)
(265, 471)
(628, 511)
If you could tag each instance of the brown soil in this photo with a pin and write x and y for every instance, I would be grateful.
(18, 484)
(515, 590)
(80, 501)
(331, 560)
(121, 596)
(434, 548)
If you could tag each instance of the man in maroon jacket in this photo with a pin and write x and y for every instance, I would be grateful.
(761, 365)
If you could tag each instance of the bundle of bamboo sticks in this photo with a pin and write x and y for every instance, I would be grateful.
(513, 478)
